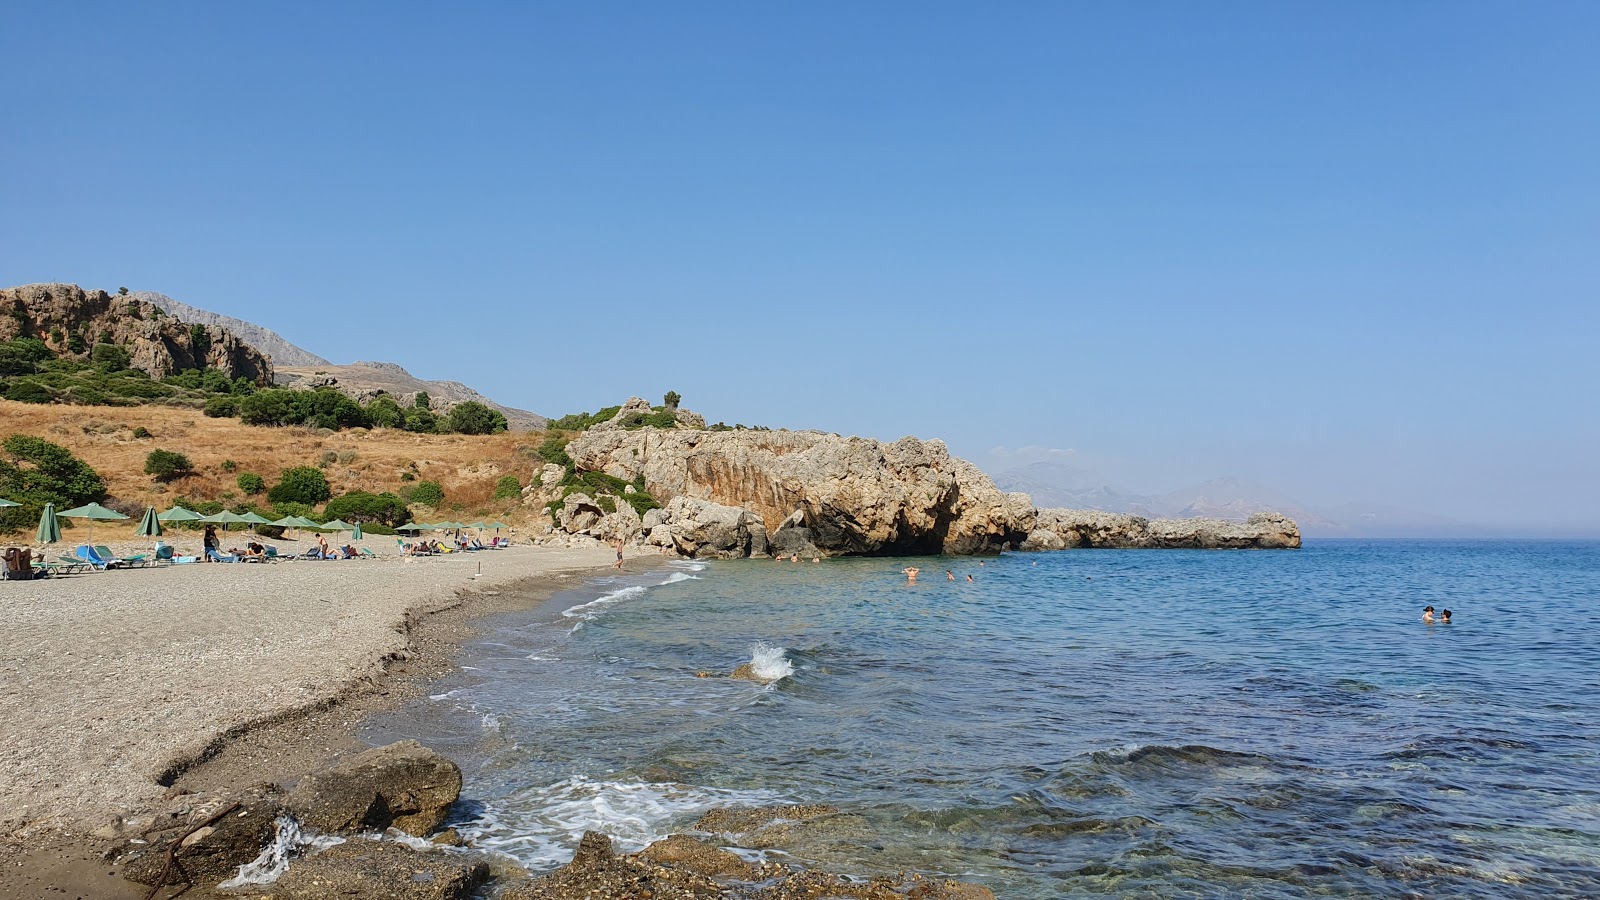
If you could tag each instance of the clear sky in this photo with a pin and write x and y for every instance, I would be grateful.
(1350, 250)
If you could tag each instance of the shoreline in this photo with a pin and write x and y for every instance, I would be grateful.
(413, 617)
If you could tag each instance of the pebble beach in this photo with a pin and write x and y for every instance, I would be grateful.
(116, 679)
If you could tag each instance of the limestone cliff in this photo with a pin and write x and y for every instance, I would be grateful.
(71, 321)
(809, 492)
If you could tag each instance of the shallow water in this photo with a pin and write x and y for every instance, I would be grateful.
(1124, 723)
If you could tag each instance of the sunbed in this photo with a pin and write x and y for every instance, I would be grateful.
(86, 555)
(138, 561)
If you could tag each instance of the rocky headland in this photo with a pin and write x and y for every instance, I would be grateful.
(740, 493)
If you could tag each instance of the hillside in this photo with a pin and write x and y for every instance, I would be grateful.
(365, 380)
(467, 467)
(266, 340)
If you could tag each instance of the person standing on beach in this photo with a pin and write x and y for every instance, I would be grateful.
(618, 563)
(211, 544)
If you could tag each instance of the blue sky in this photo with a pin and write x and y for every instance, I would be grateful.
(1345, 249)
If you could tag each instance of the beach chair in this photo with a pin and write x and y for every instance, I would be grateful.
(214, 556)
(65, 565)
(85, 554)
(164, 554)
(138, 561)
(368, 554)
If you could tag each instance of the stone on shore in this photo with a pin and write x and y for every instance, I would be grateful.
(211, 854)
(597, 872)
(361, 869)
(404, 785)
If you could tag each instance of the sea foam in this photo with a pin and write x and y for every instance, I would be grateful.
(768, 663)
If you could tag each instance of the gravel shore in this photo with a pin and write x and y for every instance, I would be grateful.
(116, 679)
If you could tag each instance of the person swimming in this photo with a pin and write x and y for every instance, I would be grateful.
(911, 573)
(969, 579)
(1444, 617)
(949, 576)
(1427, 614)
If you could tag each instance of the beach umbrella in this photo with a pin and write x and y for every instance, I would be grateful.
(286, 522)
(335, 525)
(92, 511)
(355, 532)
(225, 518)
(304, 522)
(49, 528)
(149, 526)
(179, 514)
(412, 526)
(254, 518)
(5, 502)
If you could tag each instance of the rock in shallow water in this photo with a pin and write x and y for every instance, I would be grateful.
(380, 870)
(211, 854)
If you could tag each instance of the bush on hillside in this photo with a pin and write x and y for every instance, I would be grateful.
(428, 493)
(167, 465)
(361, 506)
(302, 484)
(34, 472)
(27, 390)
(554, 450)
(110, 357)
(582, 421)
(23, 356)
(222, 406)
(473, 417)
(507, 487)
(251, 483)
(385, 412)
(422, 421)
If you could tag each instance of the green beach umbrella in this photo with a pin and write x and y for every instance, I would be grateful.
(412, 526)
(355, 532)
(335, 525)
(92, 511)
(225, 518)
(286, 522)
(149, 526)
(304, 522)
(49, 528)
(179, 514)
(5, 502)
(254, 518)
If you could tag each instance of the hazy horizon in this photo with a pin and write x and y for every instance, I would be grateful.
(1342, 252)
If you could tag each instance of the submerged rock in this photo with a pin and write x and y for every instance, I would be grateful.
(404, 785)
(360, 869)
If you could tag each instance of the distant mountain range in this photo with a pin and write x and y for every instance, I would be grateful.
(1054, 484)
(297, 367)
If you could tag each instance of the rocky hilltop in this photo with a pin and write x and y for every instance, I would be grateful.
(266, 340)
(71, 321)
(754, 492)
(365, 380)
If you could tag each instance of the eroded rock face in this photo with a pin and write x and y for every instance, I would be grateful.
(404, 785)
(1067, 528)
(705, 529)
(834, 494)
(378, 870)
(157, 343)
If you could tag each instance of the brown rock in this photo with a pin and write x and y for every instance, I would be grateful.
(381, 870)
(404, 785)
(212, 853)
(597, 873)
(683, 852)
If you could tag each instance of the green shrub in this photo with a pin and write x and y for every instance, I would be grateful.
(251, 483)
(76, 343)
(329, 458)
(606, 502)
(34, 472)
(428, 493)
(422, 421)
(110, 357)
(22, 356)
(642, 502)
(229, 465)
(384, 508)
(422, 401)
(302, 484)
(222, 406)
(508, 486)
(554, 450)
(582, 421)
(167, 465)
(672, 399)
(27, 390)
(200, 340)
(385, 412)
(142, 432)
(473, 417)
(407, 476)
(270, 407)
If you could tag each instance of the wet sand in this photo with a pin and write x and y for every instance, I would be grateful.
(126, 687)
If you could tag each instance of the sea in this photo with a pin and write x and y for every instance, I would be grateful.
(1139, 723)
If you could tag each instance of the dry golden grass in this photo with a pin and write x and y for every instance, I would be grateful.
(466, 466)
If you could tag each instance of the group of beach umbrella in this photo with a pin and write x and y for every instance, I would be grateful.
(150, 525)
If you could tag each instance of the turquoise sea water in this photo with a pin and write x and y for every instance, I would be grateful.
(1123, 723)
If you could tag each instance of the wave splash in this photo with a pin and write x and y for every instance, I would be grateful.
(768, 663)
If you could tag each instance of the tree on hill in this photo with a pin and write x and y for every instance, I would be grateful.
(363, 506)
(473, 417)
(428, 493)
(672, 399)
(302, 484)
(167, 465)
(34, 472)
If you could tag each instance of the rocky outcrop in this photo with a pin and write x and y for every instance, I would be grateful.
(381, 869)
(71, 321)
(833, 495)
(1058, 529)
(273, 344)
(207, 844)
(404, 785)
(705, 529)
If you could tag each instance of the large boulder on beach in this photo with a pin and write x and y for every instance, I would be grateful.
(404, 785)
(709, 530)
(381, 870)
(212, 852)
